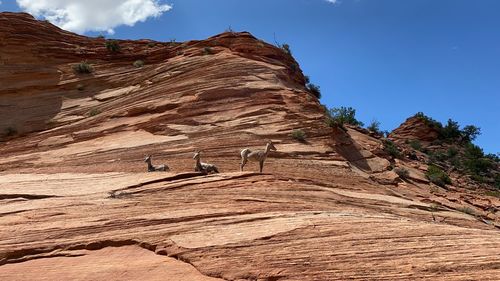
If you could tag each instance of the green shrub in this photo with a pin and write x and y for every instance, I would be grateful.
(478, 178)
(298, 135)
(473, 151)
(493, 157)
(429, 121)
(151, 44)
(479, 166)
(437, 156)
(434, 207)
(207, 51)
(494, 193)
(138, 63)
(470, 133)
(83, 68)
(402, 173)
(451, 131)
(452, 152)
(391, 149)
(334, 123)
(94, 112)
(314, 89)
(286, 48)
(112, 46)
(415, 144)
(374, 127)
(344, 115)
(475, 161)
(437, 176)
(456, 163)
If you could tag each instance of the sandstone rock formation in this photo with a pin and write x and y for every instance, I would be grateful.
(77, 203)
(415, 128)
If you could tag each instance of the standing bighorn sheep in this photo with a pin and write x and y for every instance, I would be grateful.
(259, 155)
(152, 168)
(203, 167)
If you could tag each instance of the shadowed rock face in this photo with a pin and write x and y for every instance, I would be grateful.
(76, 201)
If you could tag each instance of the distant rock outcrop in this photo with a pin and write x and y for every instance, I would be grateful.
(415, 128)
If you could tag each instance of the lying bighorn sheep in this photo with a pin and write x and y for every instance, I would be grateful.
(152, 168)
(259, 155)
(203, 167)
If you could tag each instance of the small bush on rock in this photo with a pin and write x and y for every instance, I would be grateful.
(286, 48)
(138, 63)
(437, 176)
(83, 68)
(314, 89)
(344, 115)
(207, 51)
(391, 149)
(402, 173)
(299, 135)
(94, 112)
(429, 121)
(475, 161)
(375, 127)
(112, 46)
(470, 133)
(415, 144)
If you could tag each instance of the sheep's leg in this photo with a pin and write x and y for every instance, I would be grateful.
(243, 163)
(261, 165)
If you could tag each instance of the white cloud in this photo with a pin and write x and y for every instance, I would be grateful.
(333, 1)
(81, 16)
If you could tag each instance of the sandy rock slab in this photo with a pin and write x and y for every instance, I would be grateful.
(112, 263)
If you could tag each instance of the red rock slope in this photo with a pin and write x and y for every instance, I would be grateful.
(76, 202)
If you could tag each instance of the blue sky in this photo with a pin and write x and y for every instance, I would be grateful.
(386, 58)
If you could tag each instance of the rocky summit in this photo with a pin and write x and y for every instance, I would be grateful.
(80, 114)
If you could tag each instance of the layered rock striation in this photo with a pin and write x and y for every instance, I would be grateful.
(76, 201)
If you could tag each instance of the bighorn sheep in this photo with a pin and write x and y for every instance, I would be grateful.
(203, 167)
(152, 168)
(259, 155)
